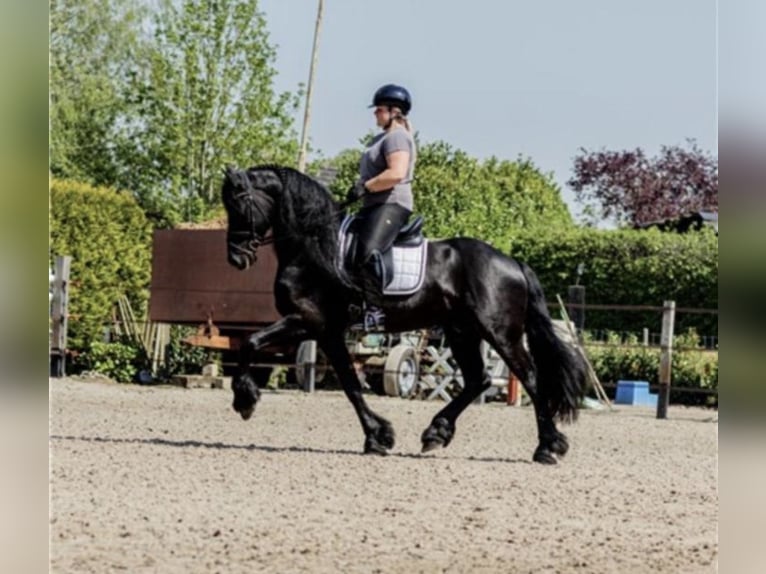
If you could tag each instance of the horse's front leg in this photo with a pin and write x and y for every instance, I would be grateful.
(379, 434)
(246, 392)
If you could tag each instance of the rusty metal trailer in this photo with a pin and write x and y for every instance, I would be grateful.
(193, 284)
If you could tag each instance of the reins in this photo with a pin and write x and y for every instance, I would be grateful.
(259, 240)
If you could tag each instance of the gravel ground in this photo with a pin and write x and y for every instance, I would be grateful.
(163, 479)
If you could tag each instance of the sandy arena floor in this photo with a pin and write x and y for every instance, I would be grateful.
(163, 479)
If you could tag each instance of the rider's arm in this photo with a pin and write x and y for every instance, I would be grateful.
(398, 162)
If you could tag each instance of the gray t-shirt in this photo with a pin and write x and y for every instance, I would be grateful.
(374, 163)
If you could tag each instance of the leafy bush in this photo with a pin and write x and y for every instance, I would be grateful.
(120, 360)
(181, 358)
(108, 237)
(622, 359)
(628, 267)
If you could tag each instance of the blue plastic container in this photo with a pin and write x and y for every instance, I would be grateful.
(635, 393)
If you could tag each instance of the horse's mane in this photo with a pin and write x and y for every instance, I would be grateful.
(307, 212)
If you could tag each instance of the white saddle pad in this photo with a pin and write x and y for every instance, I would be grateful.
(409, 262)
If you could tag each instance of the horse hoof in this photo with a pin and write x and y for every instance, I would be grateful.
(386, 437)
(543, 456)
(372, 446)
(432, 444)
(438, 434)
(246, 395)
(559, 445)
(247, 413)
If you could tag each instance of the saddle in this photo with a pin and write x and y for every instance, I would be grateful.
(403, 265)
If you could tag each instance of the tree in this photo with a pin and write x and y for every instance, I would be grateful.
(631, 188)
(92, 44)
(204, 97)
(461, 195)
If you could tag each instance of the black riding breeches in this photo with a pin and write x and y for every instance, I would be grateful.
(376, 230)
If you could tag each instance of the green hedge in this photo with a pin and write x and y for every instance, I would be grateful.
(109, 239)
(628, 267)
(691, 368)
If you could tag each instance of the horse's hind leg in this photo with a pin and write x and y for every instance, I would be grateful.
(379, 434)
(520, 363)
(466, 348)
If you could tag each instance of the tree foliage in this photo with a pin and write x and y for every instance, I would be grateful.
(157, 97)
(629, 187)
(108, 237)
(204, 97)
(459, 195)
(92, 45)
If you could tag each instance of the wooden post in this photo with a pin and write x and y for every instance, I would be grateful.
(666, 343)
(59, 316)
(646, 337)
(310, 89)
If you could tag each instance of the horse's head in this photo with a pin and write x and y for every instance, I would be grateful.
(248, 197)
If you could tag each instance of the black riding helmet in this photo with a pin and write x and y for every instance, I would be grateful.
(393, 95)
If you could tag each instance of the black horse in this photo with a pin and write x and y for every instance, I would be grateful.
(471, 290)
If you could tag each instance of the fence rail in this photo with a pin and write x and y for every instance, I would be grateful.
(611, 307)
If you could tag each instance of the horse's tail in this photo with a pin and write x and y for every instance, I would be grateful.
(561, 379)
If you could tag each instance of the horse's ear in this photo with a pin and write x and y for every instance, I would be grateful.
(229, 171)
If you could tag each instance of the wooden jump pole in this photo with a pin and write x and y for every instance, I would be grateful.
(591, 374)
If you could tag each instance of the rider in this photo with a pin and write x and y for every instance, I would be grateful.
(386, 172)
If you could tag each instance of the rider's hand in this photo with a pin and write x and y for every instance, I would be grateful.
(356, 192)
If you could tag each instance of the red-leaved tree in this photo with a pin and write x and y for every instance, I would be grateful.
(630, 188)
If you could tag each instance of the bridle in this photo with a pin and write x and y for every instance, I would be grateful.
(255, 238)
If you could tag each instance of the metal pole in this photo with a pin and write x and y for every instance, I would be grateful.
(668, 320)
(309, 374)
(310, 89)
(576, 294)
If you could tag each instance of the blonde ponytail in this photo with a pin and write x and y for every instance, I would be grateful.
(403, 120)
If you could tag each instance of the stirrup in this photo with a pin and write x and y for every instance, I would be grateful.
(374, 319)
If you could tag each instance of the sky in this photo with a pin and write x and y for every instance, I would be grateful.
(506, 78)
(742, 82)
